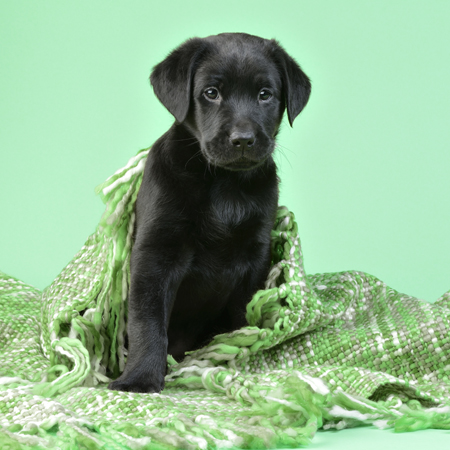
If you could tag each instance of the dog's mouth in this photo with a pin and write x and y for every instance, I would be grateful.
(230, 159)
(242, 163)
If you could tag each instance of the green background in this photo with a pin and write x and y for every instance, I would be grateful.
(365, 167)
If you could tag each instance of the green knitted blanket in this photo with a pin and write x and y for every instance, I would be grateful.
(330, 350)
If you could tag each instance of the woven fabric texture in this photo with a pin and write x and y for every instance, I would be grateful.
(331, 350)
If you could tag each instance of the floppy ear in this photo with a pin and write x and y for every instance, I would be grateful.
(296, 85)
(172, 78)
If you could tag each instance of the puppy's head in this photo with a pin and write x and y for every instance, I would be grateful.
(231, 91)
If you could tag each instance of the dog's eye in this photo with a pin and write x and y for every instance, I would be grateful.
(212, 93)
(265, 94)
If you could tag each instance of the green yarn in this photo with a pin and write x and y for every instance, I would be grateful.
(331, 350)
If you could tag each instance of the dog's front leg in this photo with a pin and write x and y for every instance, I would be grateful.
(156, 273)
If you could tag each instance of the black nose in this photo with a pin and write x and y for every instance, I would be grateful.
(242, 139)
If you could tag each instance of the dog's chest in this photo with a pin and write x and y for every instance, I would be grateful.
(228, 208)
(228, 212)
(227, 227)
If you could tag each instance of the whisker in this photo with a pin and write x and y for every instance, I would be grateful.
(192, 143)
(193, 156)
(287, 159)
(281, 151)
(278, 145)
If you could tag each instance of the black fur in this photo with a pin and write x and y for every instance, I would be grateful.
(208, 198)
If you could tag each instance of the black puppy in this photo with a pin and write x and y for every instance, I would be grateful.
(208, 198)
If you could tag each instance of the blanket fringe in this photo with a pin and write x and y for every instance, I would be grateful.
(95, 322)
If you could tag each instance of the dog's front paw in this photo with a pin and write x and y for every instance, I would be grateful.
(132, 383)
